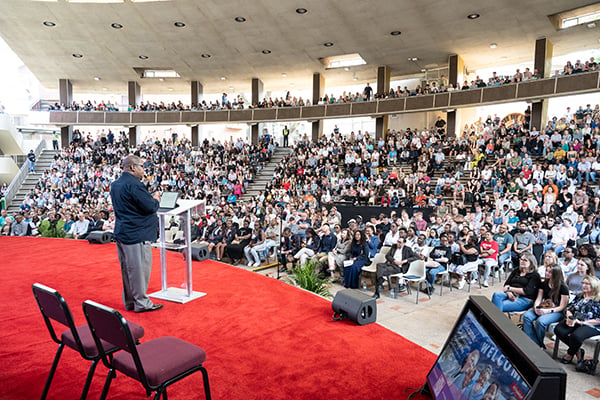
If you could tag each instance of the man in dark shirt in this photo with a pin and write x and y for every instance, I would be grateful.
(440, 256)
(136, 226)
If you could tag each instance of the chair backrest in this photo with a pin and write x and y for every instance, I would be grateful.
(54, 307)
(109, 325)
(416, 268)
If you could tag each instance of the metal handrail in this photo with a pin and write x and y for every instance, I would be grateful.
(18, 180)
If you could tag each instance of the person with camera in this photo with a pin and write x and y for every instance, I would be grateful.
(583, 320)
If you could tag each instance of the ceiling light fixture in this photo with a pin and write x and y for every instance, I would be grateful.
(77, 55)
(97, 78)
(116, 25)
(179, 24)
(413, 59)
(240, 19)
(395, 33)
(591, 25)
(301, 10)
(161, 79)
(473, 16)
(346, 68)
(205, 55)
(170, 89)
(266, 51)
(355, 79)
(493, 45)
(143, 57)
(104, 88)
(284, 74)
(328, 44)
(223, 78)
(423, 70)
(49, 24)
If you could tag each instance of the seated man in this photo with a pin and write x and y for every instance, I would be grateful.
(489, 254)
(440, 256)
(328, 243)
(290, 244)
(397, 261)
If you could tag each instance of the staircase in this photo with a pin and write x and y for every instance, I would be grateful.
(266, 174)
(43, 162)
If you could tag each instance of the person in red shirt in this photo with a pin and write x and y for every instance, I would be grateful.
(488, 253)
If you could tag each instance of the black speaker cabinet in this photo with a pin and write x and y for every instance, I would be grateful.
(199, 252)
(100, 237)
(355, 306)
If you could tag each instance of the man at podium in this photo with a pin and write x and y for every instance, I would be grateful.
(136, 227)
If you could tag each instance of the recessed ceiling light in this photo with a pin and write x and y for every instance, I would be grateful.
(104, 88)
(284, 74)
(205, 55)
(423, 70)
(328, 44)
(301, 10)
(591, 25)
(77, 55)
(413, 59)
(97, 78)
(265, 51)
(395, 33)
(161, 79)
(355, 79)
(231, 88)
(493, 45)
(346, 69)
(116, 25)
(473, 16)
(223, 78)
(240, 19)
(49, 24)
(170, 89)
(143, 57)
(179, 24)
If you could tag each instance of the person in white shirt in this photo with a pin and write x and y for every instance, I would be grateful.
(392, 236)
(80, 227)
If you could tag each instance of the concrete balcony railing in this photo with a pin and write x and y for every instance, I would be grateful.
(525, 91)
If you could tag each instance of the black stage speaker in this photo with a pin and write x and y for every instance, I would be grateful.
(100, 237)
(199, 252)
(355, 306)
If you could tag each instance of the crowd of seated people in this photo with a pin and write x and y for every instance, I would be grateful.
(238, 102)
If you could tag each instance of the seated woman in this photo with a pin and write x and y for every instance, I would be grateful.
(470, 251)
(228, 237)
(242, 238)
(215, 236)
(552, 299)
(359, 256)
(521, 286)
(336, 258)
(583, 319)
(550, 258)
(309, 248)
(585, 267)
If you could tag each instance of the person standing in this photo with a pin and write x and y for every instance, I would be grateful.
(367, 92)
(55, 138)
(286, 134)
(136, 226)
(31, 158)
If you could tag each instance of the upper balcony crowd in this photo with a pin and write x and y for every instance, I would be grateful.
(238, 102)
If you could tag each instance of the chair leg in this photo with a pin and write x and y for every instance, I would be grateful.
(111, 374)
(52, 370)
(556, 344)
(161, 392)
(418, 290)
(88, 380)
(206, 385)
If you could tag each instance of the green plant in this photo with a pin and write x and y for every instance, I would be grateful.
(308, 278)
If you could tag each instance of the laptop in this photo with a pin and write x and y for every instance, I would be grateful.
(168, 201)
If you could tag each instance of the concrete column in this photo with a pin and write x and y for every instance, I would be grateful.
(539, 114)
(456, 67)
(381, 126)
(65, 91)
(133, 136)
(317, 130)
(451, 124)
(543, 57)
(197, 92)
(65, 94)
(318, 88)
(257, 91)
(254, 133)
(383, 80)
(134, 93)
(195, 136)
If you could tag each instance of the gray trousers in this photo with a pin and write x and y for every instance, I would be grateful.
(136, 265)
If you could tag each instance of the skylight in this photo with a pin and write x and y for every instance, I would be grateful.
(344, 60)
(160, 73)
(578, 16)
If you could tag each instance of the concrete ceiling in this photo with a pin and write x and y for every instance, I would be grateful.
(431, 31)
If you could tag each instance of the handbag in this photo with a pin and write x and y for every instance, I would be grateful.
(458, 259)
(587, 366)
(548, 303)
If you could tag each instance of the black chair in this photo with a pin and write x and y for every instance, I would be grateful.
(54, 308)
(156, 364)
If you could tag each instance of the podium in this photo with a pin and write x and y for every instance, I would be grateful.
(174, 294)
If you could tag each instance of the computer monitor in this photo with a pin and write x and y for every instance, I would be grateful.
(487, 357)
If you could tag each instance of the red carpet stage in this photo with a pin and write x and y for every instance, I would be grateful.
(264, 339)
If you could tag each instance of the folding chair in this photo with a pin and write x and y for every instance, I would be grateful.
(54, 308)
(415, 273)
(156, 364)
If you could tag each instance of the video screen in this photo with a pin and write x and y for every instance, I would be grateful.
(472, 366)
